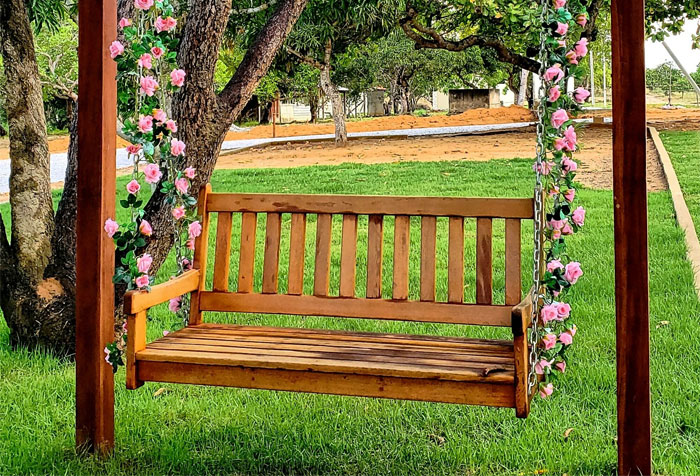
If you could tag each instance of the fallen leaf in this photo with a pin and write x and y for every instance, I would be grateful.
(159, 392)
(567, 433)
(662, 324)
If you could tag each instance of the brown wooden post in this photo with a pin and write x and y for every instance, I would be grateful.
(631, 248)
(94, 313)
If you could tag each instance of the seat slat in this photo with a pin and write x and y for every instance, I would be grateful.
(455, 261)
(402, 243)
(297, 251)
(272, 253)
(246, 266)
(222, 256)
(484, 261)
(348, 256)
(375, 254)
(427, 258)
(322, 270)
(513, 262)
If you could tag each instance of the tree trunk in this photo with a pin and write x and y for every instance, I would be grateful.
(313, 106)
(522, 91)
(331, 91)
(36, 305)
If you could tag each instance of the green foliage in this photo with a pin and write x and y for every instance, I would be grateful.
(667, 77)
(57, 58)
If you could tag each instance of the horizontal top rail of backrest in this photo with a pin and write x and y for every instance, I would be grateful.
(519, 208)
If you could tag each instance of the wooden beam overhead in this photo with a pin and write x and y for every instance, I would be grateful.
(631, 242)
(94, 312)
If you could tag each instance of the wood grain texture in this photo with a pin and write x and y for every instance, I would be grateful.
(201, 252)
(348, 256)
(246, 266)
(513, 262)
(427, 258)
(484, 261)
(222, 254)
(631, 238)
(455, 261)
(271, 261)
(297, 252)
(402, 244)
(322, 268)
(375, 255)
(136, 329)
(137, 301)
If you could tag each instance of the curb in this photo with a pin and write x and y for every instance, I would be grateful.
(685, 220)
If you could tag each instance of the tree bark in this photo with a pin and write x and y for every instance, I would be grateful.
(331, 91)
(522, 91)
(313, 106)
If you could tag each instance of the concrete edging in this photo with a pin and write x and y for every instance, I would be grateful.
(683, 217)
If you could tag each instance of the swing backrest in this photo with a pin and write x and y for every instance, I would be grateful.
(338, 264)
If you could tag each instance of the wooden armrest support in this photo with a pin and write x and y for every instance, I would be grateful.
(137, 301)
(522, 316)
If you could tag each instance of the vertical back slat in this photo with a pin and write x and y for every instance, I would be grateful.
(272, 253)
(322, 270)
(222, 257)
(428, 231)
(375, 246)
(246, 267)
(297, 250)
(513, 262)
(348, 256)
(201, 250)
(455, 261)
(402, 244)
(484, 259)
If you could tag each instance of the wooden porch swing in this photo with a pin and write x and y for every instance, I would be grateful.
(429, 368)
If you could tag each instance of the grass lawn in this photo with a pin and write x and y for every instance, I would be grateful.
(684, 149)
(197, 430)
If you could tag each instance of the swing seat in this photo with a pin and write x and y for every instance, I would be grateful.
(398, 366)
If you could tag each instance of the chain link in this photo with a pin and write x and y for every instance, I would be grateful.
(541, 154)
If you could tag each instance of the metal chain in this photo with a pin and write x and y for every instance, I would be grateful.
(541, 153)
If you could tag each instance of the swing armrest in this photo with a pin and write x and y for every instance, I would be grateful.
(522, 316)
(137, 301)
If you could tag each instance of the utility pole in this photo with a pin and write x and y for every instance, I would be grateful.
(590, 59)
(605, 82)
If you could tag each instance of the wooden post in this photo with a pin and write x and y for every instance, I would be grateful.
(94, 312)
(631, 249)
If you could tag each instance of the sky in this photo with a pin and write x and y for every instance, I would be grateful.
(680, 44)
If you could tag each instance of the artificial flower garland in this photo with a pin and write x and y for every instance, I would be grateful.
(147, 74)
(558, 169)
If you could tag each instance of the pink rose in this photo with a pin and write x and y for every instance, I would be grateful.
(556, 224)
(174, 304)
(144, 263)
(145, 228)
(581, 95)
(561, 366)
(559, 117)
(560, 143)
(195, 229)
(573, 330)
(548, 313)
(159, 115)
(561, 43)
(124, 22)
(563, 310)
(556, 234)
(171, 125)
(554, 93)
(567, 230)
(570, 137)
(182, 185)
(581, 47)
(148, 85)
(152, 173)
(178, 212)
(571, 56)
(111, 227)
(572, 272)
(142, 281)
(145, 124)
(177, 77)
(165, 24)
(546, 390)
(559, 4)
(133, 187)
(115, 49)
(145, 61)
(570, 195)
(554, 74)
(190, 244)
(133, 148)
(186, 264)
(566, 338)
(568, 165)
(545, 168)
(549, 341)
(579, 216)
(190, 172)
(541, 366)
(157, 52)
(582, 19)
(177, 147)
(562, 29)
(165, 333)
(554, 265)
(143, 4)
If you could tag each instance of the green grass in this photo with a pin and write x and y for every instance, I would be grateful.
(199, 430)
(684, 150)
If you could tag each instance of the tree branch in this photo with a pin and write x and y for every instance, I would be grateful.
(251, 10)
(304, 58)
